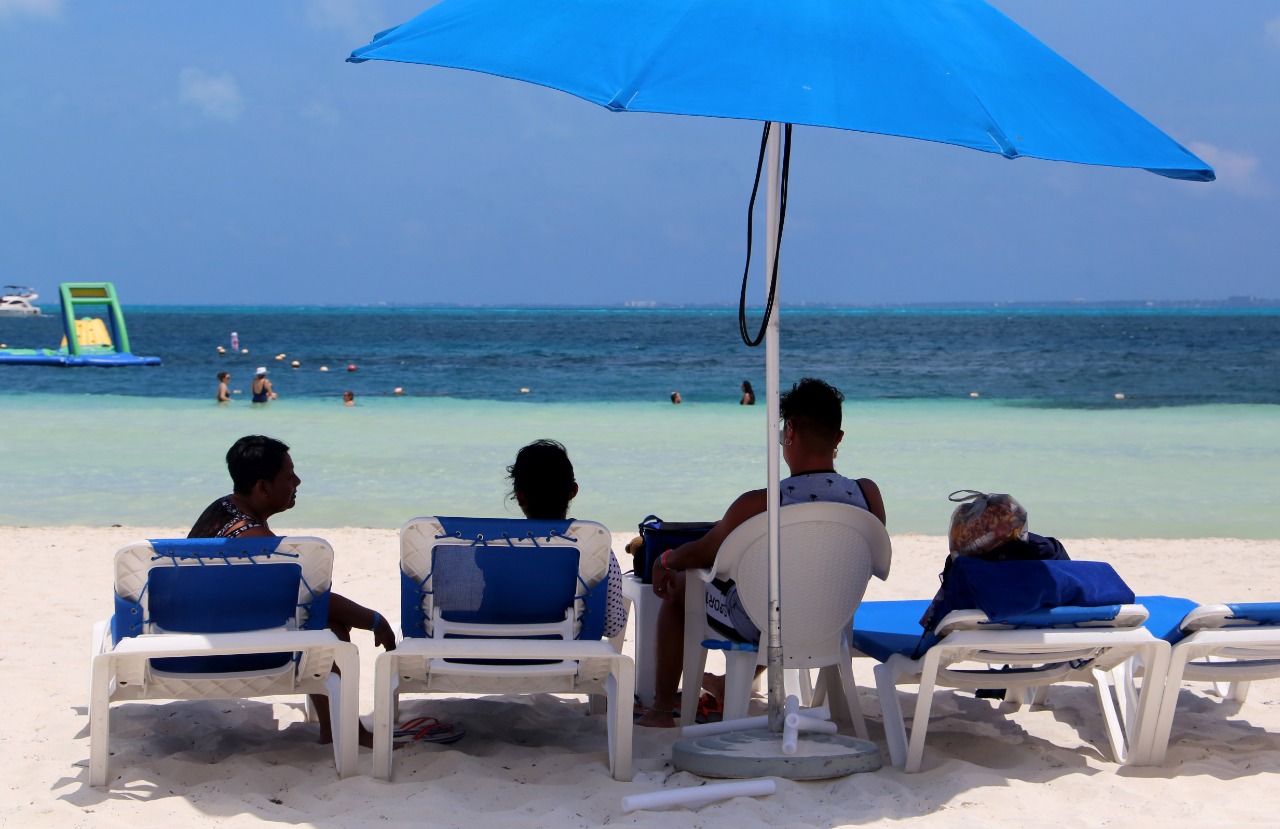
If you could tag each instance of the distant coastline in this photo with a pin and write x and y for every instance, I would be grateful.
(1234, 303)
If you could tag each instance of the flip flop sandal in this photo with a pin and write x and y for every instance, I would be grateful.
(427, 730)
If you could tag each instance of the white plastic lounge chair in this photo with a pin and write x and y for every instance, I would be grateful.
(829, 554)
(1026, 652)
(1229, 645)
(503, 581)
(218, 619)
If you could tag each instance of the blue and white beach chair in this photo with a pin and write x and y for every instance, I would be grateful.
(1229, 645)
(218, 619)
(1066, 621)
(504, 606)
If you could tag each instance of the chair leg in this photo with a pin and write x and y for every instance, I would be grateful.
(1236, 691)
(1103, 683)
(99, 719)
(98, 644)
(841, 676)
(620, 689)
(800, 683)
(740, 672)
(386, 682)
(895, 729)
(695, 656)
(344, 703)
(920, 719)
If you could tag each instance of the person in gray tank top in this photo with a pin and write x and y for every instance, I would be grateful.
(810, 435)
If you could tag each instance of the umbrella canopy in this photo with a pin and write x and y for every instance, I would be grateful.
(952, 71)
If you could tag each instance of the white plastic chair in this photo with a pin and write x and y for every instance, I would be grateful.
(829, 552)
(236, 612)
(469, 569)
(1227, 645)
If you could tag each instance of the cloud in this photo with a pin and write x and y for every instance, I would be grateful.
(353, 18)
(322, 112)
(1236, 172)
(217, 96)
(49, 9)
(1271, 31)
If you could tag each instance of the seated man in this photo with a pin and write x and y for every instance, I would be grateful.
(810, 435)
(264, 483)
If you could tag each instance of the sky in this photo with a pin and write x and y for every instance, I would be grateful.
(225, 153)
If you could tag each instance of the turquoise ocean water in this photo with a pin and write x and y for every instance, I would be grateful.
(1192, 451)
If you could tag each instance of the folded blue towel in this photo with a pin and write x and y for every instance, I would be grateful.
(1005, 589)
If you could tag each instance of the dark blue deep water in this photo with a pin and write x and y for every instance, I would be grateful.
(1059, 359)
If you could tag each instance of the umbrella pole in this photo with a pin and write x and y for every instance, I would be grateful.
(761, 752)
(777, 694)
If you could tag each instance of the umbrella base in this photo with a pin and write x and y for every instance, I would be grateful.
(758, 753)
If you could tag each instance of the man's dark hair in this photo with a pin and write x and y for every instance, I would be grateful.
(254, 458)
(813, 407)
(543, 474)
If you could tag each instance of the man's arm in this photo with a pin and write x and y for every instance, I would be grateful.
(875, 503)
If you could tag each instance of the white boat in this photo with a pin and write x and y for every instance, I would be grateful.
(17, 301)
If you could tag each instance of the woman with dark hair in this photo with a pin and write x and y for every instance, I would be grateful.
(748, 394)
(542, 484)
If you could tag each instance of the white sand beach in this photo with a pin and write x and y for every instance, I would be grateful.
(543, 764)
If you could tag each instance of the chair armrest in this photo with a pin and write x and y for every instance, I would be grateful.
(704, 573)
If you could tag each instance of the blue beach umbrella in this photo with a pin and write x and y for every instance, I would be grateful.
(950, 71)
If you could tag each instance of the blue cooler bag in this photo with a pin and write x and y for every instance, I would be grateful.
(660, 536)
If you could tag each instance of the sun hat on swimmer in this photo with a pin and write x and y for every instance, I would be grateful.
(984, 521)
(262, 370)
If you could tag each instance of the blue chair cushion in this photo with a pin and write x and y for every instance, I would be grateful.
(1264, 613)
(881, 629)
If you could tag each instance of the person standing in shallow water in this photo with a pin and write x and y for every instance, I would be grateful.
(748, 394)
(262, 388)
(224, 394)
(264, 484)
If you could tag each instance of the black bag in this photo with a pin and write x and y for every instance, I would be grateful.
(660, 536)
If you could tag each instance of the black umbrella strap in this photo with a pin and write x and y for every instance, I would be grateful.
(752, 342)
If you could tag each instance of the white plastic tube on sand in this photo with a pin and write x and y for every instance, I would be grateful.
(699, 794)
(790, 736)
(802, 723)
(706, 729)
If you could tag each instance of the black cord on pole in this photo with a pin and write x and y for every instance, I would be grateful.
(752, 342)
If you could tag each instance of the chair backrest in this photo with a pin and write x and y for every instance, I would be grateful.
(829, 552)
(221, 585)
(503, 571)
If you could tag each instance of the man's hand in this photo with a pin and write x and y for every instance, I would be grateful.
(384, 635)
(664, 583)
